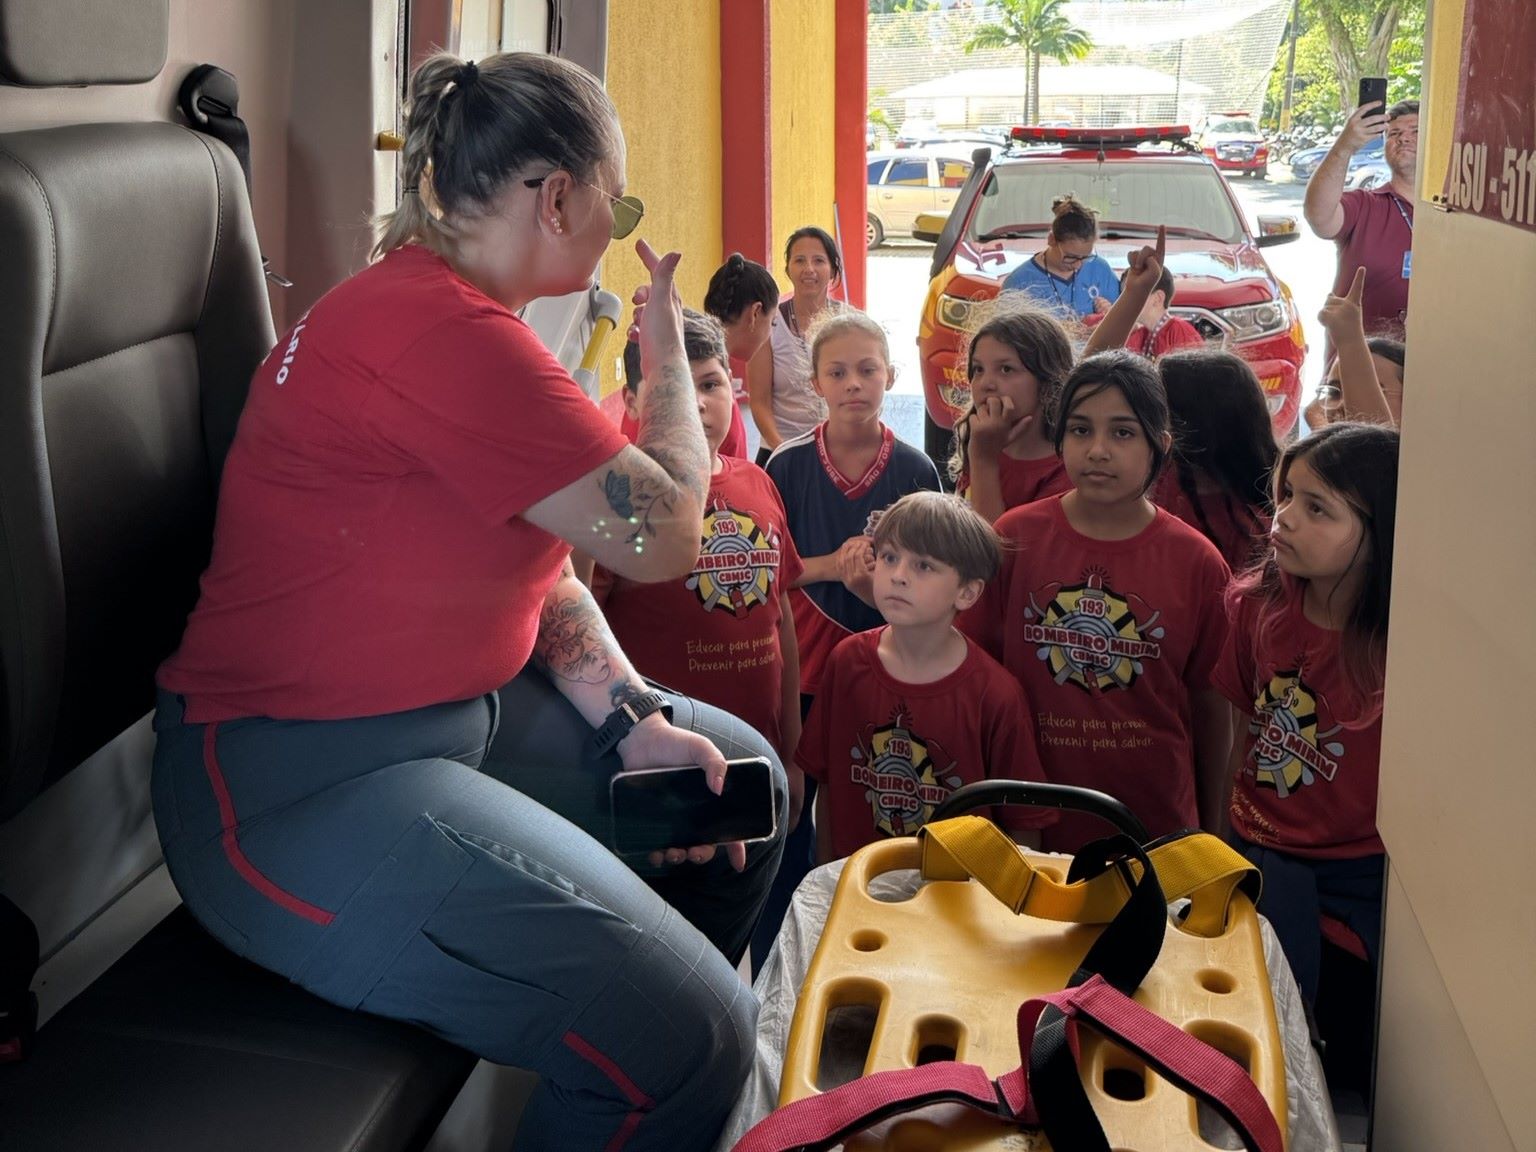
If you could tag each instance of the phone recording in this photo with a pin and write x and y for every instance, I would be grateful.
(1373, 90)
(660, 808)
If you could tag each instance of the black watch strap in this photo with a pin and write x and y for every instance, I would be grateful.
(606, 738)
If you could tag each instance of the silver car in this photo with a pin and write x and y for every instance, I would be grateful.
(908, 182)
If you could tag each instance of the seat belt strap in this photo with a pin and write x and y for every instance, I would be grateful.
(210, 100)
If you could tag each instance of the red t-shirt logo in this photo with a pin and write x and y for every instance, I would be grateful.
(1090, 636)
(737, 565)
(901, 781)
(1288, 750)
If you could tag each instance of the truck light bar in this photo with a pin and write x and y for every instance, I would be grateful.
(1100, 137)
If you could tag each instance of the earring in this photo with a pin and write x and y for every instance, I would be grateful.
(554, 222)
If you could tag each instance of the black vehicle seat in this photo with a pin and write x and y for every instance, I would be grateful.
(134, 314)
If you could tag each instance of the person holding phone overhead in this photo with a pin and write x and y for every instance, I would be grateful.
(1373, 229)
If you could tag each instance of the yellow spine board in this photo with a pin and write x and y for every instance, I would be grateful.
(949, 968)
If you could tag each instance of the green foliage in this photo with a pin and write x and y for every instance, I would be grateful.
(1340, 41)
(1039, 28)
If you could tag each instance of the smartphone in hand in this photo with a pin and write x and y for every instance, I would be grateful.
(1373, 90)
(658, 808)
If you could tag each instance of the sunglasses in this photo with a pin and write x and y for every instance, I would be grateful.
(627, 210)
(1068, 258)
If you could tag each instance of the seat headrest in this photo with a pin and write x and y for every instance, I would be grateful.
(56, 43)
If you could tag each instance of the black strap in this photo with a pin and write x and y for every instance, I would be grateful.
(1123, 955)
(210, 100)
(18, 964)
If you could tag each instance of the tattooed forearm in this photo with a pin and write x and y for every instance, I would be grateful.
(626, 690)
(576, 649)
(670, 432)
(574, 642)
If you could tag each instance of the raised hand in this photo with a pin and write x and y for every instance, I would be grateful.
(1365, 123)
(1145, 265)
(658, 323)
(1343, 313)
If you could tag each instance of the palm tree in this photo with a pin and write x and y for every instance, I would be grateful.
(1041, 29)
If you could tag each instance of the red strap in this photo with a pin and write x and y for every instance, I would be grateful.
(1191, 1064)
(819, 1122)
(829, 1118)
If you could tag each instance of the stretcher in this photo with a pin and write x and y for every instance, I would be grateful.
(908, 973)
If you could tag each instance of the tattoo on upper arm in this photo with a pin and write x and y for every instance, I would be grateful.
(637, 500)
(574, 642)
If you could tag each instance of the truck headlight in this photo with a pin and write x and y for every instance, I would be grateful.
(1256, 321)
(954, 312)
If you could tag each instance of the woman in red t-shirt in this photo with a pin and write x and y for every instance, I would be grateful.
(1217, 476)
(390, 581)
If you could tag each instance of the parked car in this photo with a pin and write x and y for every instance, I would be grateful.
(1376, 173)
(1234, 143)
(907, 183)
(1002, 217)
(1305, 162)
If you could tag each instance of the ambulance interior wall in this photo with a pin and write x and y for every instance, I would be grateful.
(1458, 804)
(255, 42)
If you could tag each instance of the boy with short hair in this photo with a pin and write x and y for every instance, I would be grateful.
(725, 633)
(910, 711)
(1158, 331)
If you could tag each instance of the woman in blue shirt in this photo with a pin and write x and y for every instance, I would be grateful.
(1067, 277)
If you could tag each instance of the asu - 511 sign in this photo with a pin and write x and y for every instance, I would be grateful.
(1492, 169)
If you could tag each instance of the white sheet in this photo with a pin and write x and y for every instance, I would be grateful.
(1310, 1121)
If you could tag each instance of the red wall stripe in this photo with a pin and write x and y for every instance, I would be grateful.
(746, 131)
(851, 109)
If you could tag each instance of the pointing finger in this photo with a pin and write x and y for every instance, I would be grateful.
(1357, 288)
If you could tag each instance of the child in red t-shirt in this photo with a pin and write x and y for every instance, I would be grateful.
(1305, 661)
(1158, 331)
(725, 633)
(1218, 474)
(1016, 364)
(910, 711)
(1109, 612)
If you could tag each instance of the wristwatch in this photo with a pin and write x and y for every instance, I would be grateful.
(606, 738)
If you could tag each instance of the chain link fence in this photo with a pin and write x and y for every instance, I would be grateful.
(1152, 61)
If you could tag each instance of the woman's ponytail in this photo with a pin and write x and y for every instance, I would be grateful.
(470, 128)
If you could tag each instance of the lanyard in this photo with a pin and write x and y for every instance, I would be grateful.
(1149, 340)
(1051, 279)
(1401, 211)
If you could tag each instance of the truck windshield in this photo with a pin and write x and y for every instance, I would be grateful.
(1148, 192)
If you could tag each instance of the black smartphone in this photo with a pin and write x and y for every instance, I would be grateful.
(656, 808)
(1373, 90)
